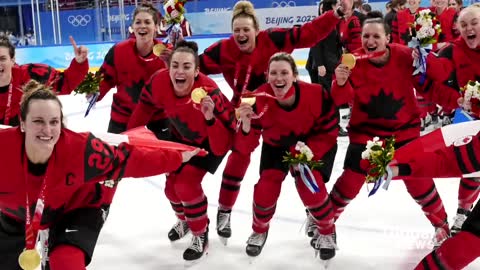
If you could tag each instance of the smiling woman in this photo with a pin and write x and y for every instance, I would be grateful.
(13, 77)
(129, 64)
(383, 106)
(209, 125)
(57, 172)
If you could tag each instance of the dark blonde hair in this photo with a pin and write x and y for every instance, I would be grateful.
(148, 8)
(245, 9)
(5, 42)
(283, 56)
(188, 47)
(34, 90)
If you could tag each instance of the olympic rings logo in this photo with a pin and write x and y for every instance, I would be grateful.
(283, 4)
(79, 20)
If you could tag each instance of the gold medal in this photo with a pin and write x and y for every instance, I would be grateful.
(237, 114)
(158, 49)
(29, 259)
(249, 100)
(349, 60)
(198, 94)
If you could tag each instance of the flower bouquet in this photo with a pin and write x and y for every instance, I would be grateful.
(471, 98)
(174, 16)
(300, 159)
(425, 31)
(375, 160)
(90, 87)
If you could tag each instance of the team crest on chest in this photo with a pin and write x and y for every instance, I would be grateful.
(463, 141)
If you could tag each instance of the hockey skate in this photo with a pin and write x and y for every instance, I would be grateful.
(198, 247)
(255, 243)
(223, 225)
(325, 246)
(310, 226)
(441, 234)
(178, 231)
(458, 221)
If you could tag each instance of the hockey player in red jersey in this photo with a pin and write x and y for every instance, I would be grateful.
(243, 60)
(13, 77)
(454, 161)
(50, 180)
(451, 69)
(383, 106)
(402, 22)
(302, 112)
(129, 64)
(209, 125)
(350, 29)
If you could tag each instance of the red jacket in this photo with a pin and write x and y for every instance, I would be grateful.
(447, 22)
(125, 69)
(187, 122)
(401, 25)
(350, 31)
(451, 69)
(382, 105)
(78, 162)
(312, 119)
(225, 57)
(62, 83)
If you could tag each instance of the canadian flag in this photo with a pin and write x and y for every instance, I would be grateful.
(141, 137)
(456, 134)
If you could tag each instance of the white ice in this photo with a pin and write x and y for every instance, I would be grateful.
(386, 231)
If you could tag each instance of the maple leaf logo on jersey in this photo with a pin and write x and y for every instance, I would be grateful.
(463, 141)
(288, 140)
(135, 90)
(382, 106)
(183, 129)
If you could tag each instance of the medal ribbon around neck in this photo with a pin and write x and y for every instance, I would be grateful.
(256, 94)
(8, 109)
(29, 259)
(247, 77)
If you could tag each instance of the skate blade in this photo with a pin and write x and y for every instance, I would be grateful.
(251, 260)
(223, 240)
(325, 263)
(188, 264)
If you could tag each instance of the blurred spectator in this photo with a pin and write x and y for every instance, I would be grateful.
(357, 10)
(456, 4)
(325, 55)
(365, 9)
(397, 5)
(388, 7)
(28, 39)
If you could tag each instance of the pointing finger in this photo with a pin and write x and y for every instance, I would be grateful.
(74, 44)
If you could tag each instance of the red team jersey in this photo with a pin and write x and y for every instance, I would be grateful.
(313, 119)
(450, 70)
(225, 57)
(71, 182)
(350, 31)
(401, 26)
(187, 122)
(447, 22)
(125, 69)
(62, 83)
(382, 105)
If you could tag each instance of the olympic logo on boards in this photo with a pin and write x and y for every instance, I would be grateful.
(79, 20)
(283, 4)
